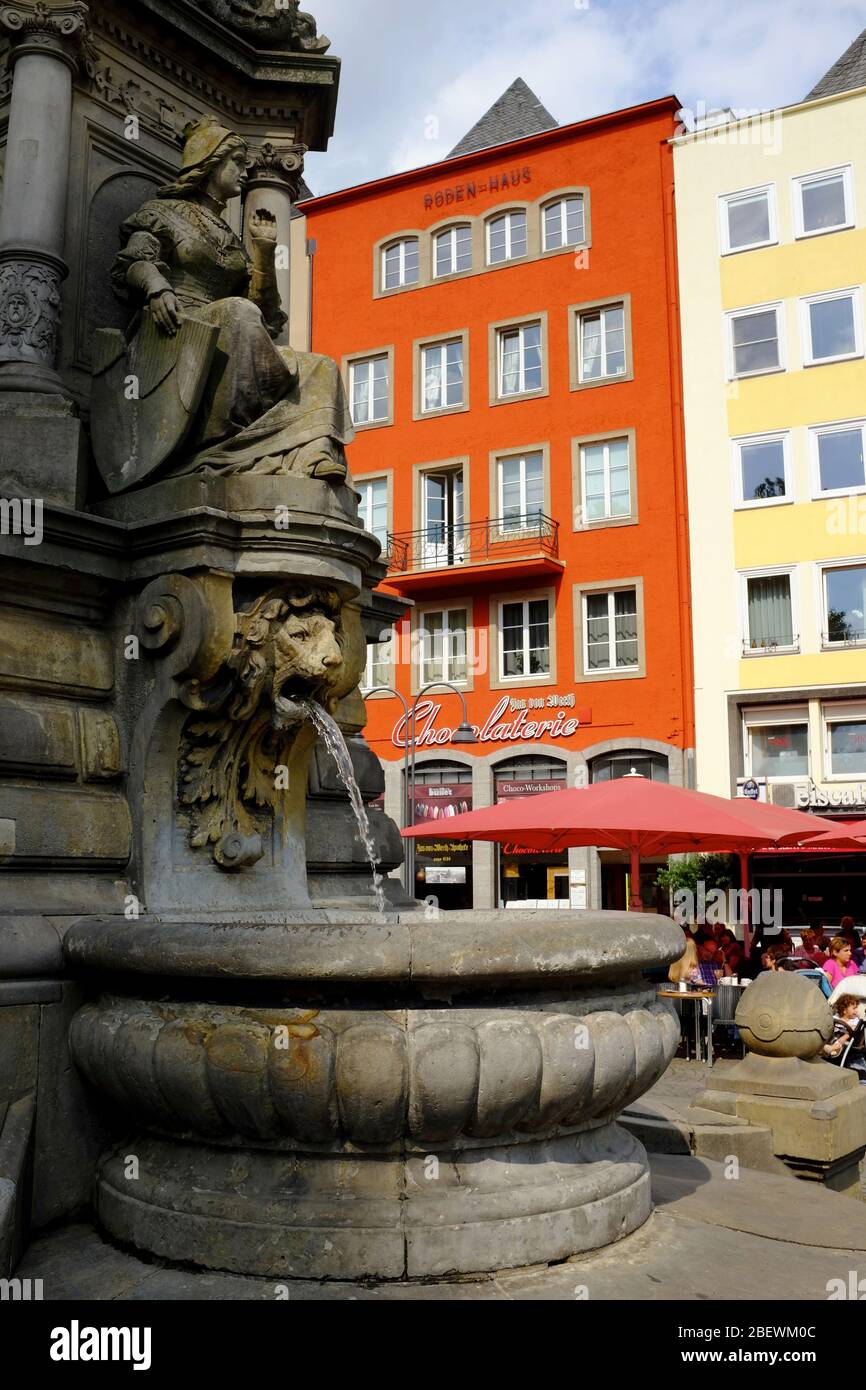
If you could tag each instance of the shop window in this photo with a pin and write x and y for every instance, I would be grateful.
(846, 744)
(748, 219)
(443, 867)
(755, 342)
(832, 327)
(400, 264)
(776, 748)
(622, 761)
(373, 507)
(844, 605)
(823, 202)
(762, 470)
(506, 238)
(838, 459)
(452, 251)
(528, 876)
(769, 617)
(564, 223)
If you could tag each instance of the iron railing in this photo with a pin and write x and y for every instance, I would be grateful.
(438, 547)
(753, 646)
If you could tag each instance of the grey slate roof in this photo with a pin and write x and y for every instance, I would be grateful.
(517, 113)
(847, 72)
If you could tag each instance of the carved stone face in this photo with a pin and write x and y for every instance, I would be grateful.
(308, 655)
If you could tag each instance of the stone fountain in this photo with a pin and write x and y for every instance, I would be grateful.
(290, 1082)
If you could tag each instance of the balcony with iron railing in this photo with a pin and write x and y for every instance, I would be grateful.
(527, 546)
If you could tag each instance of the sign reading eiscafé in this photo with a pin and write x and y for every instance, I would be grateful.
(812, 797)
(496, 728)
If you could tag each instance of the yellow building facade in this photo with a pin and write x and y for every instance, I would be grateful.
(771, 222)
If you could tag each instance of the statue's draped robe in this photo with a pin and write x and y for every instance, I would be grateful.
(265, 409)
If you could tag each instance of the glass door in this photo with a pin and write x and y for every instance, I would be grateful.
(444, 540)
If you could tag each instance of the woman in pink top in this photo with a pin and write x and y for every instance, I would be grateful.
(839, 964)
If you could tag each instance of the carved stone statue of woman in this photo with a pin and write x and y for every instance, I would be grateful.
(261, 408)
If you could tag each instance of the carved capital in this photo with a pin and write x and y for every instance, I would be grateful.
(281, 166)
(58, 30)
(29, 311)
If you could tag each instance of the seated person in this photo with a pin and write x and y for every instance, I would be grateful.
(839, 966)
(848, 931)
(848, 1024)
(710, 962)
(813, 946)
(733, 955)
(682, 970)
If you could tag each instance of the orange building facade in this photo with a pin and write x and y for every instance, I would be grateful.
(507, 326)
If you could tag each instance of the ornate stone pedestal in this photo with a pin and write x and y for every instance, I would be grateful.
(387, 1098)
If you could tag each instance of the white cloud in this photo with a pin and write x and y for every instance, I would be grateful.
(405, 63)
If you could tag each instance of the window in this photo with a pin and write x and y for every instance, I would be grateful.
(525, 638)
(748, 219)
(838, 458)
(370, 390)
(845, 604)
(769, 613)
(831, 327)
(823, 202)
(442, 376)
(400, 264)
(373, 508)
(609, 766)
(452, 251)
(762, 474)
(605, 469)
(602, 347)
(564, 223)
(506, 238)
(380, 656)
(520, 366)
(443, 645)
(777, 749)
(521, 491)
(610, 630)
(755, 343)
(845, 741)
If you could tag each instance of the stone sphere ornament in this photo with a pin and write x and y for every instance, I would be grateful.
(784, 1015)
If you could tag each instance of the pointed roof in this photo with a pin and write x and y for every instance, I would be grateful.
(517, 113)
(847, 72)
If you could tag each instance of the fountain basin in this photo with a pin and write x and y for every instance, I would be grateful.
(365, 1096)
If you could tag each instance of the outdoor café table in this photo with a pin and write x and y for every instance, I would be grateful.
(697, 996)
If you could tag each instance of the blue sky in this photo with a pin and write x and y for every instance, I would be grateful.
(417, 74)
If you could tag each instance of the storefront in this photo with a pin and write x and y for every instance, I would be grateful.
(818, 887)
(443, 868)
(525, 875)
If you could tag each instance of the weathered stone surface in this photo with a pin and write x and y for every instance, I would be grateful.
(29, 946)
(59, 826)
(54, 656)
(42, 448)
(782, 1015)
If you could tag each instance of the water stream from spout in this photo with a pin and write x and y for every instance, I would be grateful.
(332, 736)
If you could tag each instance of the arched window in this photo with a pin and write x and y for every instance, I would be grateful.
(564, 223)
(506, 237)
(400, 263)
(621, 761)
(452, 250)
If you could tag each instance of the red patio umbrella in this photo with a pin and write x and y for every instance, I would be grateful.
(841, 835)
(633, 814)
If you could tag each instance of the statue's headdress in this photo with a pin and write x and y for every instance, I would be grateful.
(202, 139)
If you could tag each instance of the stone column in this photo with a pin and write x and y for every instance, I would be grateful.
(45, 40)
(274, 182)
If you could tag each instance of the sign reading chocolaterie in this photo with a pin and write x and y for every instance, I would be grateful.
(501, 182)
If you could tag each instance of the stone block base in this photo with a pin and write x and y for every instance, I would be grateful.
(355, 1214)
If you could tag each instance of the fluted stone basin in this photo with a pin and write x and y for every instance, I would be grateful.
(346, 1096)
